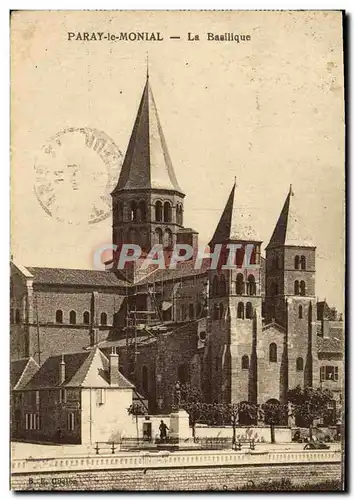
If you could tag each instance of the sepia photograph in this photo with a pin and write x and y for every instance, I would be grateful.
(177, 273)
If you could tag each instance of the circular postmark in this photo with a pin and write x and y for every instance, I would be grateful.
(75, 173)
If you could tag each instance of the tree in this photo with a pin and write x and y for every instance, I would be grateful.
(272, 413)
(191, 402)
(137, 409)
(309, 404)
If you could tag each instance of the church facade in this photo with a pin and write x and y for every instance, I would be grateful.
(246, 333)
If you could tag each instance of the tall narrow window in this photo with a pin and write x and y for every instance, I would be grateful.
(168, 238)
(322, 373)
(297, 287)
(191, 311)
(120, 212)
(71, 421)
(299, 364)
(249, 310)
(303, 262)
(158, 211)
(142, 211)
(86, 318)
(239, 285)
(215, 286)
(303, 288)
(222, 286)
(72, 317)
(17, 316)
(158, 236)
(240, 310)
(251, 285)
(273, 352)
(167, 212)
(297, 262)
(245, 362)
(300, 312)
(59, 316)
(103, 319)
(133, 211)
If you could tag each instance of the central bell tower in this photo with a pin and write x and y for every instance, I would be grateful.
(147, 203)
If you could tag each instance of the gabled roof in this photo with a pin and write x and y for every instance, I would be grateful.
(289, 231)
(21, 371)
(88, 277)
(147, 164)
(275, 326)
(330, 345)
(82, 369)
(235, 223)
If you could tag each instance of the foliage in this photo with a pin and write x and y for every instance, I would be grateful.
(137, 409)
(309, 403)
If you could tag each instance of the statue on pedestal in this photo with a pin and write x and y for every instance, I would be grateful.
(177, 395)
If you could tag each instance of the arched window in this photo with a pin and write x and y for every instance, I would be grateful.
(191, 311)
(17, 316)
(86, 318)
(240, 310)
(158, 236)
(303, 288)
(300, 312)
(167, 212)
(120, 212)
(221, 311)
(303, 262)
(297, 287)
(145, 379)
(239, 285)
(72, 317)
(103, 319)
(222, 286)
(158, 211)
(142, 211)
(249, 310)
(59, 316)
(179, 214)
(297, 262)
(251, 285)
(245, 362)
(273, 352)
(215, 285)
(168, 238)
(133, 211)
(299, 364)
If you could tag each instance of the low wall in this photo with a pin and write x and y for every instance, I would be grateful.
(175, 471)
(260, 434)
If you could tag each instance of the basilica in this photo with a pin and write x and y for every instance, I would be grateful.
(248, 333)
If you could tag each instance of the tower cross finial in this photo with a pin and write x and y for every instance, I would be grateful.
(147, 66)
(291, 190)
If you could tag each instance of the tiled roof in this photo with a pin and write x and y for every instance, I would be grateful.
(183, 270)
(57, 276)
(82, 369)
(330, 344)
(235, 223)
(147, 164)
(289, 230)
(21, 371)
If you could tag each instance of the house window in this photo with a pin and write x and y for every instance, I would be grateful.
(100, 397)
(299, 364)
(59, 316)
(300, 312)
(32, 421)
(71, 421)
(86, 318)
(72, 317)
(297, 262)
(245, 362)
(303, 262)
(273, 353)
(103, 319)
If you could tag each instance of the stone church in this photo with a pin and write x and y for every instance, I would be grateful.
(244, 334)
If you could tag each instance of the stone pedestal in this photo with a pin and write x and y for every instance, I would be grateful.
(179, 425)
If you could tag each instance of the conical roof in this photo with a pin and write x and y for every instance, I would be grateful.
(289, 231)
(147, 164)
(235, 223)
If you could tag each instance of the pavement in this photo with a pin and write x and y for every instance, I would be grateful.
(22, 450)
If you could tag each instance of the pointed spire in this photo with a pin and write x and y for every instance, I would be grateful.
(147, 66)
(289, 230)
(147, 164)
(235, 224)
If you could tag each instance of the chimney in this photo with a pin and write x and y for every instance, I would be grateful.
(114, 367)
(62, 371)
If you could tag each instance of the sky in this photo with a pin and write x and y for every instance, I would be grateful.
(268, 111)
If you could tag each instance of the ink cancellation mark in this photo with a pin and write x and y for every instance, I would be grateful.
(75, 172)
